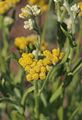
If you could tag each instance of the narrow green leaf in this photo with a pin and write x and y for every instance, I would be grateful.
(45, 82)
(7, 100)
(43, 99)
(70, 37)
(79, 108)
(57, 93)
(29, 90)
(77, 67)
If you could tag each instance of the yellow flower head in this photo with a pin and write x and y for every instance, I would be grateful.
(34, 63)
(23, 42)
(57, 55)
(42, 76)
(6, 5)
(29, 77)
(27, 68)
(46, 61)
(40, 63)
(38, 69)
(47, 54)
(56, 52)
(25, 60)
(55, 59)
(35, 76)
(12, 2)
(43, 69)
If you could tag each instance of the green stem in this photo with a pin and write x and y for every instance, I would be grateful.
(36, 93)
(45, 24)
(45, 82)
(29, 90)
(58, 11)
(36, 109)
(5, 40)
(63, 15)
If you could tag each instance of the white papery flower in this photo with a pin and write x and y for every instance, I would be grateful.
(28, 24)
(34, 52)
(35, 10)
(25, 12)
(29, 11)
(75, 8)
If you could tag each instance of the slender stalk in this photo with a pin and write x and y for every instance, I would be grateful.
(36, 109)
(45, 24)
(58, 11)
(36, 93)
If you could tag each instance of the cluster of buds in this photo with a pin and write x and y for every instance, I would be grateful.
(75, 9)
(28, 13)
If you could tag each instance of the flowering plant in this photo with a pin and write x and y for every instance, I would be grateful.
(52, 73)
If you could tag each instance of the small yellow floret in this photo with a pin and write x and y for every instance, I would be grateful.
(27, 68)
(42, 76)
(43, 69)
(55, 59)
(29, 77)
(56, 52)
(46, 61)
(35, 76)
(37, 68)
(47, 53)
(25, 60)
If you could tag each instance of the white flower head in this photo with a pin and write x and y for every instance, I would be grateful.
(28, 24)
(34, 52)
(25, 12)
(75, 8)
(35, 10)
(29, 10)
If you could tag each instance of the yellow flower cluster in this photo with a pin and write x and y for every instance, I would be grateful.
(23, 42)
(41, 3)
(54, 56)
(6, 5)
(38, 69)
(13, 2)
